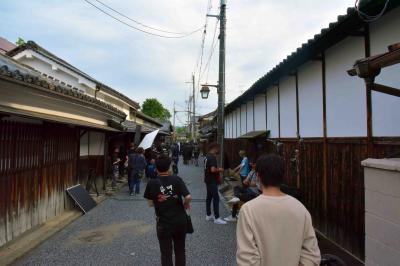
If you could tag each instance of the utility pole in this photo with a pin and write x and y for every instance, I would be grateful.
(221, 83)
(194, 110)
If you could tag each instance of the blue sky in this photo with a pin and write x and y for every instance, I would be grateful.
(260, 33)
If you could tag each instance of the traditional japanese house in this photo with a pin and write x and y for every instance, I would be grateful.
(94, 146)
(325, 122)
(41, 144)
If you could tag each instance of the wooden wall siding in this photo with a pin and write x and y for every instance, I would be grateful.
(345, 195)
(37, 163)
(311, 185)
(288, 153)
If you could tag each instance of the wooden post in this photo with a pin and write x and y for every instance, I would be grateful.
(325, 146)
(369, 83)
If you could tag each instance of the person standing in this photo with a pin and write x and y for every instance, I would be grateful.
(243, 168)
(170, 198)
(137, 164)
(212, 179)
(115, 160)
(275, 228)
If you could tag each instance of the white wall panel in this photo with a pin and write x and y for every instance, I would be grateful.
(287, 96)
(250, 116)
(237, 131)
(385, 108)
(272, 112)
(345, 95)
(243, 118)
(310, 100)
(259, 112)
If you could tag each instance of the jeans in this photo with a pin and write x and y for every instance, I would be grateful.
(172, 237)
(212, 195)
(134, 183)
(115, 175)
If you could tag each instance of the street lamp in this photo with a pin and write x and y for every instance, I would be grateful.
(205, 91)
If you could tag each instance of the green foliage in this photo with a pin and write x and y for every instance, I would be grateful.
(20, 41)
(180, 130)
(153, 108)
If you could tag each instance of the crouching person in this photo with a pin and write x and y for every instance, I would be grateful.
(275, 228)
(170, 198)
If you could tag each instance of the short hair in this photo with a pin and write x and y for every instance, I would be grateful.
(140, 150)
(270, 169)
(213, 146)
(163, 162)
(242, 153)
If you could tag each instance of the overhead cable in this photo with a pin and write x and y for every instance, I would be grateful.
(140, 23)
(136, 28)
(370, 18)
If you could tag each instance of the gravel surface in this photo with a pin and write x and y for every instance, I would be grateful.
(121, 231)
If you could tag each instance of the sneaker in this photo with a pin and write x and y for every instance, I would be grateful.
(234, 200)
(219, 221)
(230, 219)
(131, 194)
(210, 218)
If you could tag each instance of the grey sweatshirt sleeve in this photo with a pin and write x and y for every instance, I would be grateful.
(310, 254)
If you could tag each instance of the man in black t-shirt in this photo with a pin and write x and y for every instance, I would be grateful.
(212, 180)
(165, 194)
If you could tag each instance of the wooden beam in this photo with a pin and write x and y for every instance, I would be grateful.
(385, 89)
(368, 87)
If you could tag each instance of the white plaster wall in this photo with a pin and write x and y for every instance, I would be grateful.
(97, 141)
(259, 112)
(250, 116)
(83, 150)
(345, 95)
(243, 111)
(287, 96)
(236, 122)
(272, 112)
(310, 100)
(226, 127)
(385, 108)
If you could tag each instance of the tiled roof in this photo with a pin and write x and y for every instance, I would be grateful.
(6, 46)
(12, 70)
(37, 48)
(336, 31)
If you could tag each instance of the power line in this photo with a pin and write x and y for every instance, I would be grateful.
(212, 49)
(140, 23)
(136, 28)
(369, 18)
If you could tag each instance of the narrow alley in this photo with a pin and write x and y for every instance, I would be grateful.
(121, 231)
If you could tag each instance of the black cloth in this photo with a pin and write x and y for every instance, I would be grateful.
(169, 236)
(166, 192)
(212, 195)
(209, 177)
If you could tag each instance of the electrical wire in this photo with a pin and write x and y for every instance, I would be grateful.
(136, 28)
(140, 23)
(212, 49)
(370, 18)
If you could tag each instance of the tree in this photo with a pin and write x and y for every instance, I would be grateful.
(20, 41)
(153, 108)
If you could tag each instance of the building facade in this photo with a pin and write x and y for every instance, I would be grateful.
(315, 115)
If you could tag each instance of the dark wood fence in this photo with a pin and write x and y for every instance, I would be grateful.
(37, 163)
(331, 189)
